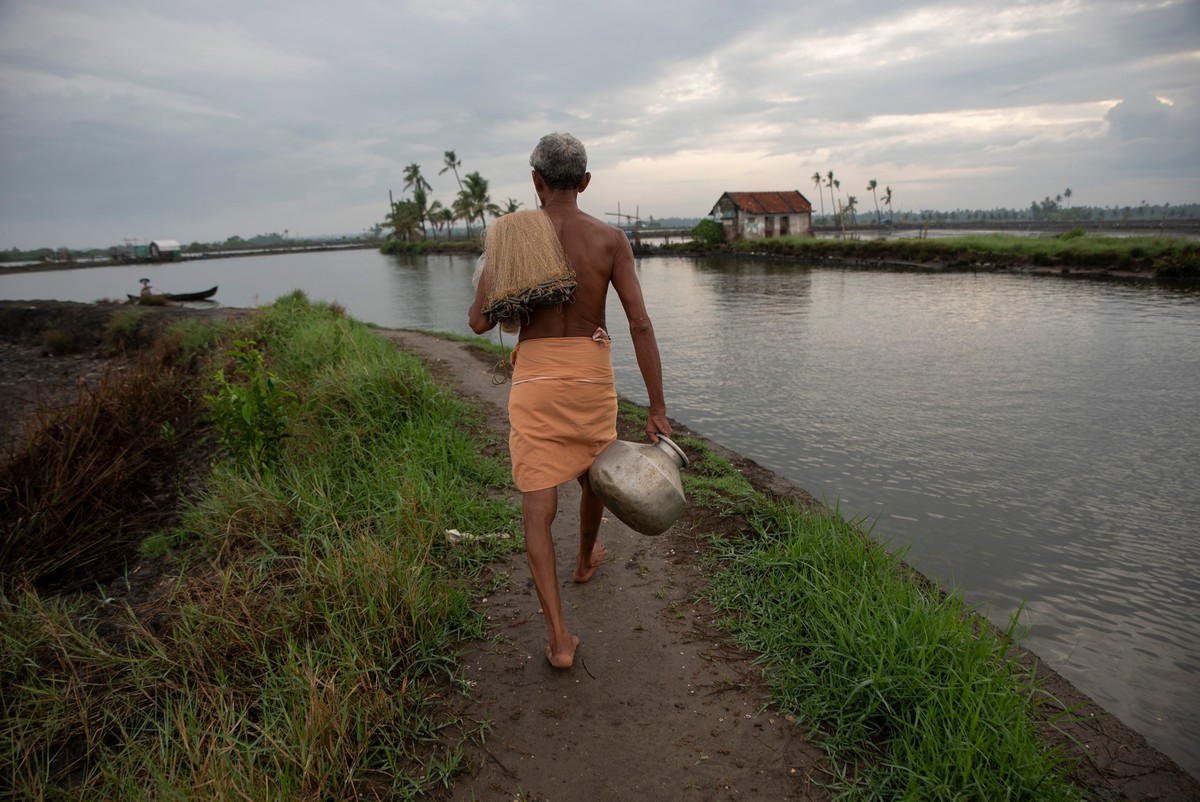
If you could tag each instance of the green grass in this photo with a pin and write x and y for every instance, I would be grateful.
(306, 642)
(910, 696)
(1167, 257)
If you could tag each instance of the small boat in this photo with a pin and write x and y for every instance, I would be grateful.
(180, 296)
(192, 296)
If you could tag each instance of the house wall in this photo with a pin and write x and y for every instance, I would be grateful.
(754, 226)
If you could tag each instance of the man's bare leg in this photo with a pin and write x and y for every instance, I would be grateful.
(591, 550)
(539, 508)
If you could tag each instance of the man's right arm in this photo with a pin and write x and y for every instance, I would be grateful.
(641, 332)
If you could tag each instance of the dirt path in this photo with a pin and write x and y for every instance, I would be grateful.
(656, 706)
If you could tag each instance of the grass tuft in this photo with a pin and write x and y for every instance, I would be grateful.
(121, 333)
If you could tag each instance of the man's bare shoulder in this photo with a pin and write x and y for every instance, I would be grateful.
(582, 218)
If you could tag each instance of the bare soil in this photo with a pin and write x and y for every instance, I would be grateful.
(659, 704)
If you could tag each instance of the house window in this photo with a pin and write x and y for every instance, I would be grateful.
(783, 226)
(770, 226)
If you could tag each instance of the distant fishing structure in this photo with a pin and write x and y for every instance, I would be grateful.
(633, 225)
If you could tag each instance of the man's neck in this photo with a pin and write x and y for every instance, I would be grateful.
(560, 198)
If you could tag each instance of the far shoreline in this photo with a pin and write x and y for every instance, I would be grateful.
(1149, 254)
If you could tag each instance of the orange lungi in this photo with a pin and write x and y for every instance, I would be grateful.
(562, 408)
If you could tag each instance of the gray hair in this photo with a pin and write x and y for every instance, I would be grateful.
(560, 159)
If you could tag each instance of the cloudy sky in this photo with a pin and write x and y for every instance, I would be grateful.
(201, 119)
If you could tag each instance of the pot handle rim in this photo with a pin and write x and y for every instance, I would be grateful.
(672, 450)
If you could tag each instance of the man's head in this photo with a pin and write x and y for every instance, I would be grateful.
(561, 161)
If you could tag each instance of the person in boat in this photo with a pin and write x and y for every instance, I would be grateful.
(563, 402)
(147, 291)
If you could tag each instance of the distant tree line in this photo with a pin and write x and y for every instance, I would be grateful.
(413, 219)
(234, 243)
(1050, 210)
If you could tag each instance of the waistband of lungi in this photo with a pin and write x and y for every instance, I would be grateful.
(563, 358)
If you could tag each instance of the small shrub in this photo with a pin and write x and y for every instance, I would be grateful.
(708, 232)
(1074, 233)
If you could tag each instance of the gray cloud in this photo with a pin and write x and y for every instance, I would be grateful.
(133, 118)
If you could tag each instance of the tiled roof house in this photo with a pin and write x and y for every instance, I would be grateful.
(759, 215)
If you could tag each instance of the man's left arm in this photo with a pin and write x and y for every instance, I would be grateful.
(478, 321)
(641, 332)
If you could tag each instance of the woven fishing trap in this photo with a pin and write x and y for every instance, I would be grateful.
(526, 268)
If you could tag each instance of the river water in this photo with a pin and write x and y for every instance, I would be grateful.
(1030, 440)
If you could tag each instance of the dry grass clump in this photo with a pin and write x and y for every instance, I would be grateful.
(57, 342)
(87, 482)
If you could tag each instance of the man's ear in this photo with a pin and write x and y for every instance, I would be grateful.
(587, 179)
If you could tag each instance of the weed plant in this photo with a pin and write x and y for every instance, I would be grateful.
(305, 646)
(910, 696)
(251, 412)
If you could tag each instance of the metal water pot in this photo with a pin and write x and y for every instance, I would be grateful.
(640, 484)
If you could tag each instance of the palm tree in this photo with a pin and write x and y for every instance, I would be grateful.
(413, 179)
(421, 201)
(462, 210)
(446, 217)
(887, 201)
(838, 205)
(510, 206)
(852, 207)
(452, 163)
(816, 179)
(404, 220)
(1067, 194)
(476, 201)
(433, 215)
(871, 185)
(416, 182)
(829, 183)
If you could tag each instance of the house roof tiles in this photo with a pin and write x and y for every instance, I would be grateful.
(789, 202)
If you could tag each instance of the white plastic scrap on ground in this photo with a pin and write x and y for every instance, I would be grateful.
(457, 538)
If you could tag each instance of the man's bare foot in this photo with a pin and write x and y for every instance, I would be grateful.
(564, 658)
(584, 572)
